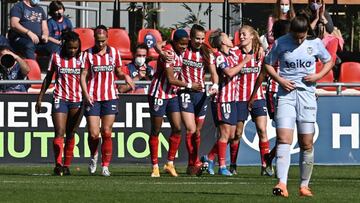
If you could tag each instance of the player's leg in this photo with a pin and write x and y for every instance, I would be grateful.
(225, 131)
(201, 102)
(264, 146)
(174, 141)
(306, 158)
(92, 114)
(59, 120)
(73, 121)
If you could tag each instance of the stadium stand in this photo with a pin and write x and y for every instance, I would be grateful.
(236, 39)
(150, 37)
(350, 72)
(86, 37)
(119, 39)
(34, 74)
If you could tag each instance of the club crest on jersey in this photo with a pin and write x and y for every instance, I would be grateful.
(309, 50)
(156, 107)
(113, 107)
(227, 115)
(185, 105)
(88, 108)
(78, 62)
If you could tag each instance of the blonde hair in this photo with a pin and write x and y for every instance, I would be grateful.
(255, 43)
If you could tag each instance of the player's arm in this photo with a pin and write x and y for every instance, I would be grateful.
(259, 80)
(121, 75)
(15, 25)
(231, 72)
(45, 85)
(169, 70)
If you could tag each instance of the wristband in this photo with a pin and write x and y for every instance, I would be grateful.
(215, 86)
(189, 85)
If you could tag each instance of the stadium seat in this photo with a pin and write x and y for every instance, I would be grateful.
(153, 64)
(332, 47)
(119, 39)
(236, 39)
(35, 73)
(350, 72)
(207, 36)
(150, 37)
(328, 78)
(86, 37)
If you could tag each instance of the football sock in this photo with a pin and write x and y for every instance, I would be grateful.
(282, 162)
(58, 146)
(174, 140)
(264, 149)
(213, 152)
(154, 145)
(69, 150)
(222, 153)
(234, 149)
(196, 143)
(106, 149)
(306, 165)
(190, 148)
(93, 145)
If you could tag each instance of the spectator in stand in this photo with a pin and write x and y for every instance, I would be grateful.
(138, 69)
(12, 67)
(284, 10)
(319, 18)
(57, 24)
(4, 42)
(28, 28)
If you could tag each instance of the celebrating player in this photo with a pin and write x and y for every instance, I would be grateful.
(163, 99)
(67, 98)
(100, 96)
(193, 104)
(296, 99)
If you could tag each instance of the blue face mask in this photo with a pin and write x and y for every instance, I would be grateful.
(285, 8)
(34, 2)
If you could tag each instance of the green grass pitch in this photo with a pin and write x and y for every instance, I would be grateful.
(132, 183)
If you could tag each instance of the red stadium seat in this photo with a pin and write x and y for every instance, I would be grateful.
(35, 72)
(350, 72)
(236, 39)
(153, 64)
(328, 78)
(332, 47)
(207, 37)
(119, 39)
(150, 32)
(86, 36)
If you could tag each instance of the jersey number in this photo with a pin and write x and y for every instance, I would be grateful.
(158, 102)
(185, 98)
(226, 108)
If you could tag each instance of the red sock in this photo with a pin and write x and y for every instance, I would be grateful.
(222, 153)
(58, 144)
(213, 152)
(196, 143)
(106, 148)
(234, 149)
(93, 145)
(69, 150)
(190, 148)
(154, 145)
(174, 146)
(264, 149)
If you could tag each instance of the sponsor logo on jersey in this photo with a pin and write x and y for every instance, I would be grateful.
(177, 69)
(298, 64)
(74, 71)
(191, 63)
(249, 70)
(309, 108)
(108, 68)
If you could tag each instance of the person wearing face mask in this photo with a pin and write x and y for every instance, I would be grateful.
(138, 69)
(12, 67)
(283, 10)
(58, 23)
(28, 28)
(320, 19)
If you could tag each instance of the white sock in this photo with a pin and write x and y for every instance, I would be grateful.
(282, 162)
(306, 161)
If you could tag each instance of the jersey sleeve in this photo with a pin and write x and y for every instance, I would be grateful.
(212, 59)
(86, 61)
(118, 62)
(273, 56)
(322, 52)
(15, 11)
(221, 63)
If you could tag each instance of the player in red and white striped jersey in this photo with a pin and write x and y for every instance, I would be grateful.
(224, 107)
(163, 100)
(67, 99)
(101, 63)
(250, 45)
(193, 104)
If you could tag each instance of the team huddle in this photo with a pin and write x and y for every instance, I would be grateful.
(85, 83)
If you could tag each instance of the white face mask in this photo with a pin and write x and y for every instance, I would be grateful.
(285, 8)
(139, 61)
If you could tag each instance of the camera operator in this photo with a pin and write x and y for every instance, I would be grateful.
(12, 67)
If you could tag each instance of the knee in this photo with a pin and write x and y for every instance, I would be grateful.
(176, 130)
(155, 130)
(106, 132)
(94, 133)
(60, 132)
(307, 146)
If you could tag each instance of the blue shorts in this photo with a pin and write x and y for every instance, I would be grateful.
(259, 109)
(63, 106)
(160, 107)
(224, 113)
(102, 108)
(193, 102)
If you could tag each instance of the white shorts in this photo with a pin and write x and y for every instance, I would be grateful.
(297, 106)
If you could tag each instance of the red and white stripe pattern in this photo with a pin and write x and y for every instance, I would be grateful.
(247, 78)
(227, 85)
(193, 67)
(102, 73)
(160, 86)
(272, 84)
(67, 83)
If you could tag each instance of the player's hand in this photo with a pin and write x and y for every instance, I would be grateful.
(214, 89)
(34, 38)
(131, 84)
(312, 78)
(45, 38)
(196, 87)
(287, 84)
(251, 103)
(89, 101)
(169, 56)
(38, 106)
